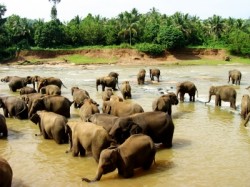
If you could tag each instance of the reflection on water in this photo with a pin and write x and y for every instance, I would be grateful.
(210, 146)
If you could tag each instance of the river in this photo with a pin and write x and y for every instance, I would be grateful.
(211, 147)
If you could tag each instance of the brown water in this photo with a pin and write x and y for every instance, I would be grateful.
(210, 145)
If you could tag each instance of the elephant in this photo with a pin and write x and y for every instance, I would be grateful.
(107, 94)
(3, 127)
(156, 124)
(79, 95)
(6, 173)
(50, 90)
(138, 151)
(14, 107)
(27, 90)
(106, 81)
(104, 120)
(186, 87)
(155, 73)
(89, 107)
(51, 125)
(9, 78)
(126, 90)
(164, 103)
(235, 76)
(245, 108)
(119, 109)
(52, 103)
(87, 137)
(224, 93)
(16, 83)
(141, 76)
(29, 98)
(115, 75)
(49, 80)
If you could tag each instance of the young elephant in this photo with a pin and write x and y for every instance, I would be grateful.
(88, 137)
(126, 90)
(141, 76)
(106, 81)
(107, 94)
(155, 73)
(27, 90)
(245, 106)
(223, 93)
(79, 95)
(235, 75)
(51, 90)
(138, 151)
(186, 87)
(89, 107)
(3, 127)
(14, 107)
(6, 173)
(164, 103)
(51, 125)
(120, 109)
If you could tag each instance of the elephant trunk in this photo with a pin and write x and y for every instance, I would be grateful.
(209, 99)
(246, 120)
(97, 178)
(97, 84)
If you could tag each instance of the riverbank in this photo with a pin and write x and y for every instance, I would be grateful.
(118, 56)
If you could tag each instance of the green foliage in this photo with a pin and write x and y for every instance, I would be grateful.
(151, 49)
(170, 37)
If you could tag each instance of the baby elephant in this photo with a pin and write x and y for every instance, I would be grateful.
(126, 90)
(138, 151)
(51, 90)
(51, 125)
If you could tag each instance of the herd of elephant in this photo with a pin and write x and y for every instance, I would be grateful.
(122, 136)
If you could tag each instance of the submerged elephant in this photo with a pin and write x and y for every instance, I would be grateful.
(14, 107)
(223, 93)
(51, 90)
(164, 103)
(141, 77)
(155, 73)
(16, 83)
(88, 108)
(235, 76)
(79, 95)
(138, 151)
(52, 126)
(126, 90)
(119, 109)
(3, 127)
(158, 125)
(27, 90)
(186, 87)
(6, 173)
(52, 103)
(49, 80)
(106, 81)
(86, 137)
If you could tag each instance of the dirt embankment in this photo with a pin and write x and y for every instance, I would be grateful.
(127, 56)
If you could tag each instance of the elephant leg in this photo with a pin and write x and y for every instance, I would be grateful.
(158, 79)
(149, 161)
(75, 105)
(128, 171)
(5, 111)
(75, 148)
(217, 101)
(152, 78)
(103, 88)
(81, 150)
(182, 96)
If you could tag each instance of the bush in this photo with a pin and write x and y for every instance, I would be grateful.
(151, 49)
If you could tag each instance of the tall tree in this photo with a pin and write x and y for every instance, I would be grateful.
(53, 12)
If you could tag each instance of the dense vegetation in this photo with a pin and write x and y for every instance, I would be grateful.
(152, 32)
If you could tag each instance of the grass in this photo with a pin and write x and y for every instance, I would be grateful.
(80, 59)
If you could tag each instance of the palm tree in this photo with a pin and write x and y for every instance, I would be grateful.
(53, 12)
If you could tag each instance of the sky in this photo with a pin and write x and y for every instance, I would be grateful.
(68, 9)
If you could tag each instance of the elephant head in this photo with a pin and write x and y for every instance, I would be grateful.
(212, 91)
(107, 163)
(123, 128)
(37, 104)
(42, 83)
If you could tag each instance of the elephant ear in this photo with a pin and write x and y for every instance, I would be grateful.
(35, 118)
(135, 129)
(159, 104)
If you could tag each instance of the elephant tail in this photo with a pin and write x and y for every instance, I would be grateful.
(64, 86)
(197, 92)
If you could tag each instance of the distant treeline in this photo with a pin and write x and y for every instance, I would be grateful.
(152, 32)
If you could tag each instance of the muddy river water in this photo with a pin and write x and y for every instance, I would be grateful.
(211, 147)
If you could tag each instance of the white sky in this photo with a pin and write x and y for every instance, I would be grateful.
(68, 9)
